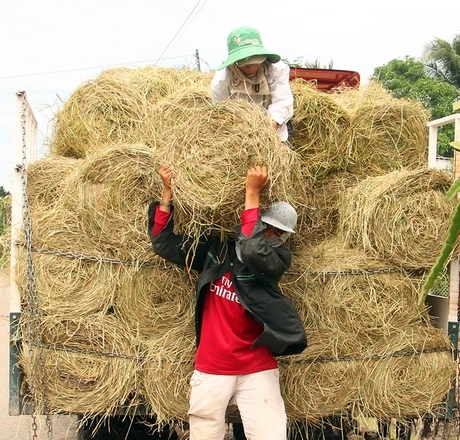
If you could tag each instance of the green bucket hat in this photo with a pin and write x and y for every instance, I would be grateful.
(245, 42)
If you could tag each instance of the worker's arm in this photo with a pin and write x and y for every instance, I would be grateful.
(256, 180)
(281, 108)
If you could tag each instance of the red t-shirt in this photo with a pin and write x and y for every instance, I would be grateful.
(228, 330)
(227, 334)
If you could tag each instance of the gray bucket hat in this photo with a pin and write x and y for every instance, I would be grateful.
(281, 215)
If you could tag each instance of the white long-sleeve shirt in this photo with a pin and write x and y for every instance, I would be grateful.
(280, 102)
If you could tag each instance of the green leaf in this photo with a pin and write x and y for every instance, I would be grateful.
(455, 145)
(453, 190)
(444, 255)
(456, 105)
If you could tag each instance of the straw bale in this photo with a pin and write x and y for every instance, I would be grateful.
(321, 130)
(69, 287)
(323, 201)
(353, 299)
(95, 206)
(315, 390)
(415, 385)
(407, 374)
(60, 229)
(210, 148)
(401, 217)
(111, 194)
(101, 207)
(165, 376)
(48, 179)
(354, 99)
(360, 314)
(154, 300)
(178, 107)
(388, 135)
(120, 105)
(163, 304)
(158, 82)
(83, 366)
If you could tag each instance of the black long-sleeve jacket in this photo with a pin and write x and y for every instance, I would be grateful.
(256, 280)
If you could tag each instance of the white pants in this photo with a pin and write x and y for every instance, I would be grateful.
(256, 395)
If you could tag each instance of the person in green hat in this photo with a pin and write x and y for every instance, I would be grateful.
(254, 73)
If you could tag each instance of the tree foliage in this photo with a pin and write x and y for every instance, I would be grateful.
(302, 62)
(3, 192)
(408, 79)
(5, 227)
(442, 60)
(5, 210)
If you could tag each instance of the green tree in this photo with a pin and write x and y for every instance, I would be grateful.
(3, 192)
(5, 226)
(442, 60)
(408, 79)
(302, 62)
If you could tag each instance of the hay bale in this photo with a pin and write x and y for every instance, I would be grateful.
(408, 375)
(111, 194)
(152, 301)
(401, 217)
(69, 288)
(388, 133)
(312, 390)
(85, 366)
(211, 147)
(321, 131)
(354, 99)
(357, 299)
(118, 106)
(50, 178)
(414, 385)
(60, 229)
(363, 321)
(100, 208)
(165, 376)
(157, 304)
(322, 212)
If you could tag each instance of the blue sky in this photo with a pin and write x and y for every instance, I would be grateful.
(49, 47)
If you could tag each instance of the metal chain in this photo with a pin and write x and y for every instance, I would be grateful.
(32, 305)
(162, 265)
(398, 353)
(325, 273)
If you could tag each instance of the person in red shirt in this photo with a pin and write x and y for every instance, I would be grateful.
(242, 319)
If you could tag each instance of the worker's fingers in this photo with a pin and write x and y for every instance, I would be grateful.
(257, 177)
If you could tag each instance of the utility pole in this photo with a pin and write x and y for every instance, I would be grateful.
(197, 56)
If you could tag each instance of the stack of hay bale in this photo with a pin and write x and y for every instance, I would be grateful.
(116, 321)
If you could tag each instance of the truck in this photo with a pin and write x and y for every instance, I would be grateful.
(443, 308)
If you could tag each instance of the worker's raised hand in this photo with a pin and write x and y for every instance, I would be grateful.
(165, 173)
(256, 178)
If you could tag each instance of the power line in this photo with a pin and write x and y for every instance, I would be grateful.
(182, 26)
(87, 68)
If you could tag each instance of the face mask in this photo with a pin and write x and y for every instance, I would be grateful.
(274, 242)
